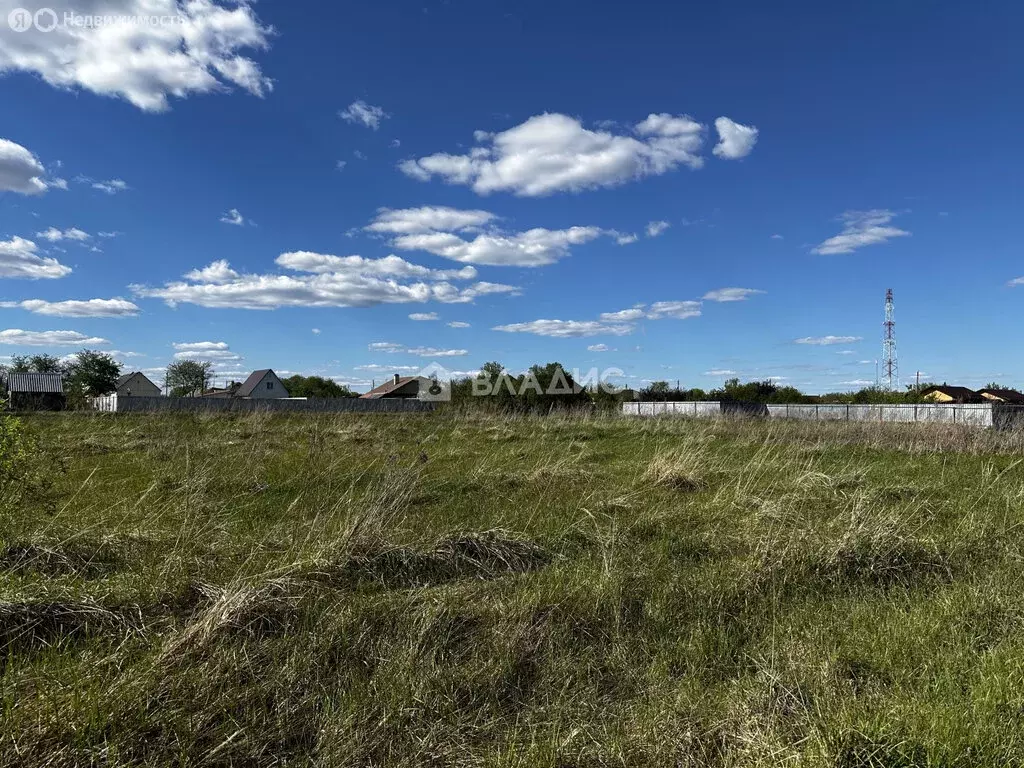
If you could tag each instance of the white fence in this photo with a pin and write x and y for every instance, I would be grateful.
(106, 404)
(982, 415)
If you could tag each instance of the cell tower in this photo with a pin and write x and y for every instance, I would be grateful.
(890, 363)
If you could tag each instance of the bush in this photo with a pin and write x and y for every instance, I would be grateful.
(20, 474)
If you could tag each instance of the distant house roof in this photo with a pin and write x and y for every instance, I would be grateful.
(1006, 395)
(250, 384)
(36, 383)
(389, 386)
(957, 393)
(122, 380)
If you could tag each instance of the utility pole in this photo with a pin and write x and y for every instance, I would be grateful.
(890, 363)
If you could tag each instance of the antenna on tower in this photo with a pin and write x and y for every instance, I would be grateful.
(890, 363)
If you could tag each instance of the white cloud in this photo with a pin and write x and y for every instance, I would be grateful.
(731, 294)
(680, 310)
(364, 114)
(564, 329)
(217, 272)
(316, 331)
(626, 239)
(435, 352)
(845, 352)
(20, 170)
(377, 367)
(89, 308)
(858, 383)
(825, 341)
(233, 217)
(777, 237)
(433, 229)
(533, 248)
(340, 165)
(861, 228)
(554, 153)
(1016, 281)
(198, 52)
(55, 235)
(111, 187)
(734, 140)
(19, 258)
(599, 348)
(423, 316)
(108, 235)
(624, 315)
(22, 338)
(331, 281)
(720, 372)
(410, 221)
(204, 350)
(656, 228)
(458, 324)
(385, 346)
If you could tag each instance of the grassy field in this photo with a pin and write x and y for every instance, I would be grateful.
(436, 590)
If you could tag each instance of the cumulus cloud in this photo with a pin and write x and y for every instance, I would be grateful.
(20, 338)
(428, 218)
(656, 228)
(734, 140)
(20, 170)
(88, 308)
(621, 323)
(1016, 281)
(861, 228)
(458, 324)
(423, 316)
(363, 114)
(385, 346)
(55, 235)
(456, 234)
(324, 280)
(599, 348)
(198, 51)
(720, 372)
(731, 294)
(19, 258)
(554, 153)
(204, 350)
(825, 341)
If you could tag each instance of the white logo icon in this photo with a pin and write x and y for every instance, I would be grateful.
(435, 384)
(46, 20)
(20, 20)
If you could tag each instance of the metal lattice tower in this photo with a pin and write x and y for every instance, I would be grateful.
(890, 363)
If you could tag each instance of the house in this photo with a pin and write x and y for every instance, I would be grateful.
(136, 385)
(1010, 396)
(36, 391)
(262, 385)
(398, 388)
(946, 394)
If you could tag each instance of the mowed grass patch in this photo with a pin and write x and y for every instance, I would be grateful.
(359, 590)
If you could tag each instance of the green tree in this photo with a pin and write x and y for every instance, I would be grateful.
(91, 374)
(316, 387)
(35, 364)
(187, 377)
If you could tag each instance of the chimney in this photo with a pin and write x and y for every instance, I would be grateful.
(397, 379)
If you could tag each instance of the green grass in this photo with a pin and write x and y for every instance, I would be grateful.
(434, 590)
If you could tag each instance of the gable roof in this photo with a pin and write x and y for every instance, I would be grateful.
(389, 386)
(954, 392)
(36, 383)
(1009, 395)
(123, 379)
(250, 384)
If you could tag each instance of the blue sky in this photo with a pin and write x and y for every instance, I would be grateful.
(684, 192)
